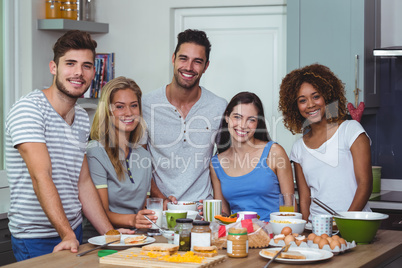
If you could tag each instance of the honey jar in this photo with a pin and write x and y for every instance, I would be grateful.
(69, 10)
(53, 9)
(237, 243)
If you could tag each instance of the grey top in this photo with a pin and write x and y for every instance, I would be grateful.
(125, 197)
(182, 148)
(33, 119)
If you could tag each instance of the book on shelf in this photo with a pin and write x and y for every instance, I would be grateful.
(104, 72)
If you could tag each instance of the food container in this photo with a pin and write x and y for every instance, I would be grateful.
(69, 10)
(237, 243)
(359, 226)
(296, 225)
(182, 234)
(53, 9)
(200, 234)
(281, 216)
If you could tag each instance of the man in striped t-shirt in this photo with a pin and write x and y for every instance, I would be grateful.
(47, 169)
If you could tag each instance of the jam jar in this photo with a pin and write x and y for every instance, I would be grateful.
(200, 234)
(182, 233)
(237, 243)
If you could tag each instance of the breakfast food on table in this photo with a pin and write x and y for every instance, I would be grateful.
(284, 255)
(113, 235)
(135, 240)
(160, 248)
(210, 251)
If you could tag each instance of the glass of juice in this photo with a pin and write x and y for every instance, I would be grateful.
(287, 202)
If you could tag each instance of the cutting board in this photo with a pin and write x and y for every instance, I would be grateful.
(132, 257)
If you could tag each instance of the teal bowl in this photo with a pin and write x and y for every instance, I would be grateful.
(359, 226)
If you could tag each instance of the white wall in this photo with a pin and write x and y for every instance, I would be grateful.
(140, 33)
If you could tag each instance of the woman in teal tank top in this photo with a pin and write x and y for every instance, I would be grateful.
(249, 171)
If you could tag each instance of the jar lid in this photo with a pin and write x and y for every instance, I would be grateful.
(184, 220)
(201, 223)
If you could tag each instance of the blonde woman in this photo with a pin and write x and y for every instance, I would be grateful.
(120, 168)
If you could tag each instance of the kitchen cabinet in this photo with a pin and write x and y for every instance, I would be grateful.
(6, 253)
(340, 34)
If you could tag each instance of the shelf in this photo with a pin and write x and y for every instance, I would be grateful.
(66, 25)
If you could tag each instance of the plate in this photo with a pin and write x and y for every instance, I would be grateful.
(312, 255)
(100, 240)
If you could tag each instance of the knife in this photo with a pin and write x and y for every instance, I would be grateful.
(283, 249)
(95, 248)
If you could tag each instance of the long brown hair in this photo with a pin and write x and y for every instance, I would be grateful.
(103, 129)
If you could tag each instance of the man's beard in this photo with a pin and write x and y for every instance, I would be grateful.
(60, 86)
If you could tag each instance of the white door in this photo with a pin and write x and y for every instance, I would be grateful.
(248, 54)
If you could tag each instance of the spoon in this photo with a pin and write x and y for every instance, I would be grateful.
(160, 228)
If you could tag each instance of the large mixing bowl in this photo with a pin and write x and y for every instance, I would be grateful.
(359, 226)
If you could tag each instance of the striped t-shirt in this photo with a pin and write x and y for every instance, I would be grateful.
(33, 119)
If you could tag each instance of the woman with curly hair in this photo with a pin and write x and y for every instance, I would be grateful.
(332, 159)
(250, 170)
(120, 168)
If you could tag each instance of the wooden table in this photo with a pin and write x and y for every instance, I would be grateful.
(385, 247)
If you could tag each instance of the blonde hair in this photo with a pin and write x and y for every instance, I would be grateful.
(103, 129)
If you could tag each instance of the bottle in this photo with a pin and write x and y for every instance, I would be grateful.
(182, 233)
(86, 10)
(200, 234)
(237, 243)
(53, 9)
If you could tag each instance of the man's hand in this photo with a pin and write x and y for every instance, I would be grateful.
(70, 243)
(170, 199)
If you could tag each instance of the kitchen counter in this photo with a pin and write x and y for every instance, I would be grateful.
(386, 247)
(391, 189)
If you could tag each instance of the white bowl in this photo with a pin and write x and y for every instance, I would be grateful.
(182, 205)
(281, 216)
(297, 225)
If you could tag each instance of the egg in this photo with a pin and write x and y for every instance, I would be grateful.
(295, 235)
(342, 241)
(324, 235)
(311, 236)
(329, 239)
(278, 237)
(317, 239)
(286, 230)
(335, 237)
(335, 243)
(300, 239)
(322, 243)
(289, 238)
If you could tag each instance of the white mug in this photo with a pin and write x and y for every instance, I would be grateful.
(211, 208)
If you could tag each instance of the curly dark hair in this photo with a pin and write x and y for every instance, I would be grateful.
(223, 137)
(194, 36)
(325, 82)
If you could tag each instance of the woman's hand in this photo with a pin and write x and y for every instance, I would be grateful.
(125, 231)
(141, 222)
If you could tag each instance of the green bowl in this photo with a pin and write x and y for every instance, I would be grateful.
(359, 226)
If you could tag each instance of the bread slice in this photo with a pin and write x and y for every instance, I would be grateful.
(135, 240)
(210, 251)
(284, 255)
(160, 248)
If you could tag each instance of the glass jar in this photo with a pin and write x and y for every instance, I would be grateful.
(237, 243)
(69, 10)
(182, 233)
(200, 234)
(53, 10)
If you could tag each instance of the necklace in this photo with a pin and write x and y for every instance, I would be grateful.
(130, 175)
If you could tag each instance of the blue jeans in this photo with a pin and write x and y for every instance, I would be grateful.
(27, 248)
